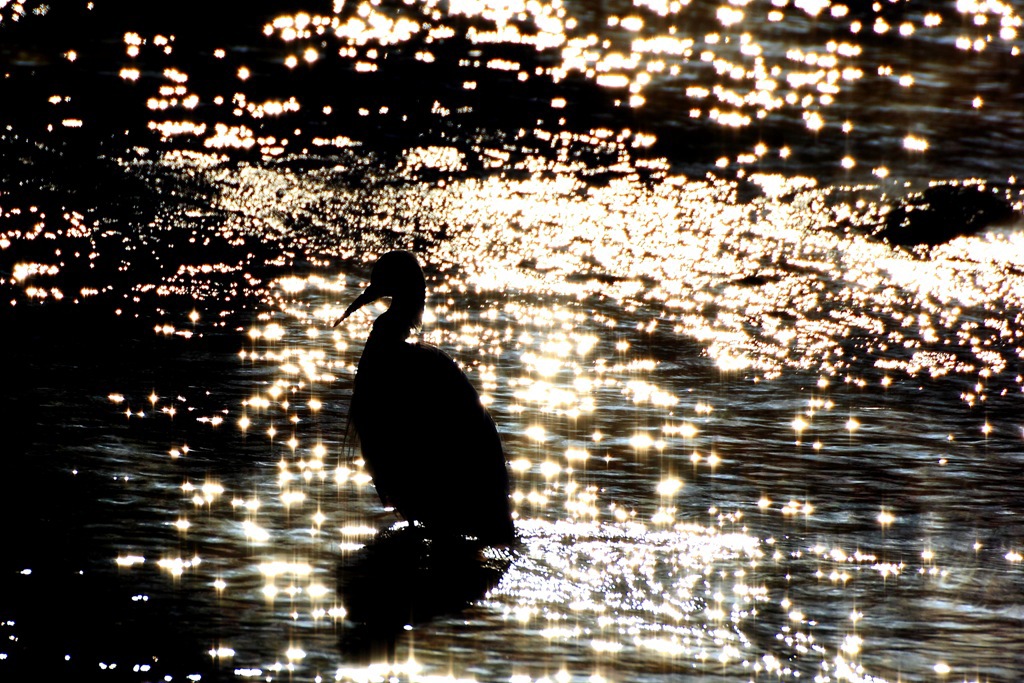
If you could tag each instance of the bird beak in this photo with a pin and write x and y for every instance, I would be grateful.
(369, 295)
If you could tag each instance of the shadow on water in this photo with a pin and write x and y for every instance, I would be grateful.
(402, 578)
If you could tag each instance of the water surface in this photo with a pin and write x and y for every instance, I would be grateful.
(749, 440)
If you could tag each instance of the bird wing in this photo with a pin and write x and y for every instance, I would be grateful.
(430, 445)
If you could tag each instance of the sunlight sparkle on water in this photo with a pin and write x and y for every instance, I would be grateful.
(129, 560)
(643, 56)
(580, 310)
(626, 324)
(669, 487)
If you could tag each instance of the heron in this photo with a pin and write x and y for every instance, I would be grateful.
(430, 446)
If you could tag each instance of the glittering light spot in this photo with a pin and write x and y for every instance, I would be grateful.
(852, 645)
(669, 486)
(915, 144)
(641, 442)
(727, 16)
(281, 568)
(254, 532)
(521, 465)
(814, 121)
(576, 455)
(536, 433)
(549, 469)
(292, 497)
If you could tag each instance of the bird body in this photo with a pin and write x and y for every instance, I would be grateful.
(428, 443)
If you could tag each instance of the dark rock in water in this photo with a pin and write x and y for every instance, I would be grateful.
(752, 280)
(942, 213)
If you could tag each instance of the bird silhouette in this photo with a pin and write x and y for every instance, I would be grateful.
(430, 446)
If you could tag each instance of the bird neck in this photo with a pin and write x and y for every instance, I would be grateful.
(403, 315)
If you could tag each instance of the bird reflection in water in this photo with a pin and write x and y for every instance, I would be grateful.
(405, 577)
(435, 456)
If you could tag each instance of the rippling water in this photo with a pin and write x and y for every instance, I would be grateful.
(750, 438)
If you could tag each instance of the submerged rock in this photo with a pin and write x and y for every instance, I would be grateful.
(942, 213)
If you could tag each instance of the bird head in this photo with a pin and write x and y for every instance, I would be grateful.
(396, 275)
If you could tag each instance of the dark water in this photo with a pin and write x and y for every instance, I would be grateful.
(750, 439)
